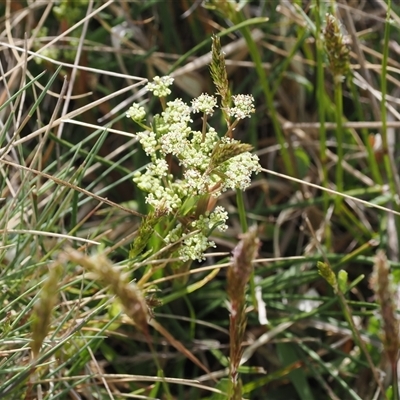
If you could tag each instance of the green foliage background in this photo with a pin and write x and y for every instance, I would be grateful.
(328, 193)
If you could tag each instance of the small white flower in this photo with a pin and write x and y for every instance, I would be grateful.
(136, 112)
(158, 168)
(244, 106)
(204, 103)
(164, 197)
(218, 217)
(160, 86)
(177, 112)
(174, 234)
(194, 158)
(174, 141)
(195, 182)
(148, 141)
(206, 144)
(238, 170)
(194, 247)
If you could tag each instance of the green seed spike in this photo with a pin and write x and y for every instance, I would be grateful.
(220, 76)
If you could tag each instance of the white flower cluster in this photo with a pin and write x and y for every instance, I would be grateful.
(244, 106)
(136, 112)
(172, 134)
(160, 86)
(204, 103)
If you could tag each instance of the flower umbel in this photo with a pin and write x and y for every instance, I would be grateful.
(244, 106)
(205, 104)
(160, 86)
(209, 166)
(136, 112)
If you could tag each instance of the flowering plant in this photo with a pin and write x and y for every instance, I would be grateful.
(210, 165)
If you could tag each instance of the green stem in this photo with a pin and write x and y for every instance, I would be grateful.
(255, 55)
(384, 83)
(372, 162)
(339, 138)
(321, 116)
(241, 210)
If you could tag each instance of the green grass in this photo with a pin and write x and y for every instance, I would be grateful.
(326, 203)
